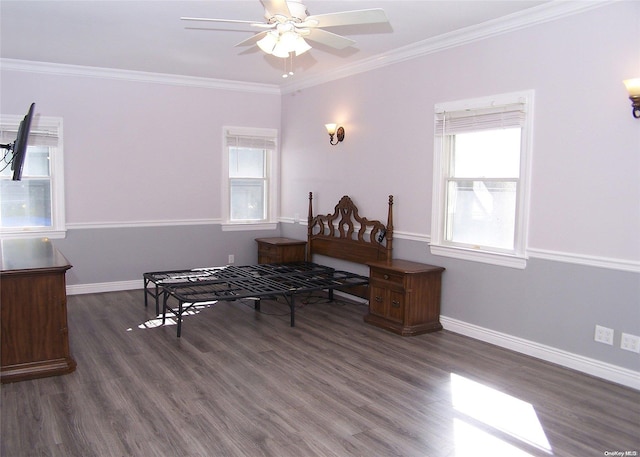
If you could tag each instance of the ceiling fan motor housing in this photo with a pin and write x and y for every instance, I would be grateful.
(296, 8)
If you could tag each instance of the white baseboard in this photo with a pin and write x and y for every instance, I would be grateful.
(580, 363)
(576, 362)
(97, 288)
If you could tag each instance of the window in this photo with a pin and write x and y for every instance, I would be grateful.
(481, 185)
(250, 178)
(34, 206)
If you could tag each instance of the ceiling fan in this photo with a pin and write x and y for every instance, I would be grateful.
(288, 25)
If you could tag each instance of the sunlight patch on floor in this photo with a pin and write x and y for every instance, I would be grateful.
(470, 441)
(481, 404)
(172, 320)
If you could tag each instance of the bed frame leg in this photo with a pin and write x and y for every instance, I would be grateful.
(146, 292)
(256, 304)
(179, 318)
(164, 307)
(293, 310)
(157, 297)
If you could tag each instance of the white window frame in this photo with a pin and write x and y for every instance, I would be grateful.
(50, 128)
(516, 258)
(272, 177)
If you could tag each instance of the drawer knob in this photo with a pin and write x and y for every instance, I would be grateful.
(386, 276)
(378, 299)
(395, 304)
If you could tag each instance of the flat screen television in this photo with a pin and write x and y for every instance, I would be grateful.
(17, 151)
(20, 145)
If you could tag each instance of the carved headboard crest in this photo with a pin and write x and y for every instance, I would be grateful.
(344, 220)
(347, 235)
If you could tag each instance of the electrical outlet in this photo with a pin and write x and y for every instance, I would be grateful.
(231, 258)
(630, 342)
(604, 335)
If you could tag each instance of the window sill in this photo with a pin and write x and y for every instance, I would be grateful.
(493, 258)
(238, 227)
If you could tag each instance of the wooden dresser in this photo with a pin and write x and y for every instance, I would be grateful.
(280, 250)
(404, 297)
(34, 338)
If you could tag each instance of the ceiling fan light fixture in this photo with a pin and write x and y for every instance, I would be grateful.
(287, 43)
(301, 46)
(268, 42)
(288, 40)
(280, 50)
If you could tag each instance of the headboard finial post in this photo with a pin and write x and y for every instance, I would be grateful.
(390, 230)
(309, 227)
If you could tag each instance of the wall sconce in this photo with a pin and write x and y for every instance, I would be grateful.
(333, 129)
(633, 87)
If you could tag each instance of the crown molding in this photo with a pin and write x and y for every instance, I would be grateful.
(546, 12)
(136, 76)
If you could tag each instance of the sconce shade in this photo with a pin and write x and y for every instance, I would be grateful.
(336, 131)
(633, 87)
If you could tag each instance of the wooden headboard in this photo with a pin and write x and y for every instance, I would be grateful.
(347, 236)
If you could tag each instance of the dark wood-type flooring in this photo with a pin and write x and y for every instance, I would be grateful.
(242, 383)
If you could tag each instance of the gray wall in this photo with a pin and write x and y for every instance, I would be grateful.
(111, 255)
(554, 304)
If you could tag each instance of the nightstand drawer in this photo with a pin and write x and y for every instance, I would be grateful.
(386, 303)
(268, 250)
(384, 275)
(280, 250)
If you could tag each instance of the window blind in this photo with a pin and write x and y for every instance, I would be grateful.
(38, 135)
(250, 141)
(486, 118)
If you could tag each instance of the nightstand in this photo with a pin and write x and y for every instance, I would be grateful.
(280, 250)
(404, 297)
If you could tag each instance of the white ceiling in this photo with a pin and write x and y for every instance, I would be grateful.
(148, 35)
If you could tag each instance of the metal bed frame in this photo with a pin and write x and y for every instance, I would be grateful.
(343, 235)
(256, 282)
(158, 280)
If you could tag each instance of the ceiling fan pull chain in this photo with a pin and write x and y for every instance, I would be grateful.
(286, 73)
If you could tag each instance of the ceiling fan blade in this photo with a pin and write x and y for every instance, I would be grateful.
(233, 21)
(253, 39)
(276, 7)
(329, 39)
(370, 16)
